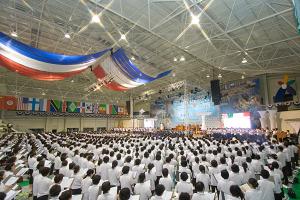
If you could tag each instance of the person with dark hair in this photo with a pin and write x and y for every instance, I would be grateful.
(66, 195)
(213, 171)
(184, 167)
(142, 188)
(104, 167)
(183, 185)
(166, 180)
(36, 179)
(150, 175)
(43, 184)
(235, 176)
(184, 196)
(203, 177)
(124, 194)
(254, 193)
(58, 179)
(236, 193)
(159, 190)
(277, 176)
(126, 179)
(158, 163)
(86, 183)
(54, 192)
(137, 169)
(114, 174)
(93, 190)
(199, 192)
(105, 192)
(267, 187)
(76, 184)
(224, 184)
(64, 170)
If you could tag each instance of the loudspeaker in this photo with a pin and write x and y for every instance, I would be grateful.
(215, 91)
(128, 107)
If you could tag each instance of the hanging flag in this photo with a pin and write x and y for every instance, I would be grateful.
(114, 110)
(108, 109)
(44, 105)
(102, 109)
(95, 108)
(55, 105)
(121, 110)
(73, 107)
(8, 103)
(33, 104)
(22, 103)
(88, 107)
(82, 107)
(297, 13)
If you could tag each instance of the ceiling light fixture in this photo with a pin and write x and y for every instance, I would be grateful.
(244, 60)
(182, 58)
(132, 58)
(14, 34)
(95, 19)
(123, 37)
(175, 59)
(174, 74)
(220, 76)
(207, 76)
(243, 77)
(43, 93)
(195, 20)
(67, 35)
(72, 81)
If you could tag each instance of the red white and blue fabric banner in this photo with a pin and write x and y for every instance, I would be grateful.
(42, 65)
(125, 75)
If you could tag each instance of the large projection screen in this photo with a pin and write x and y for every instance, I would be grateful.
(236, 120)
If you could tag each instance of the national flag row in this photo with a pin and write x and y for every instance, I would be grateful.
(46, 105)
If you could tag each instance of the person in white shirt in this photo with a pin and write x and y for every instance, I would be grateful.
(136, 170)
(105, 192)
(150, 175)
(183, 185)
(224, 184)
(213, 170)
(76, 184)
(104, 167)
(277, 175)
(203, 177)
(93, 190)
(158, 163)
(267, 187)
(124, 194)
(54, 192)
(57, 163)
(44, 184)
(200, 194)
(159, 191)
(36, 179)
(142, 188)
(114, 174)
(126, 179)
(254, 193)
(86, 183)
(235, 176)
(64, 170)
(236, 193)
(184, 196)
(166, 180)
(169, 166)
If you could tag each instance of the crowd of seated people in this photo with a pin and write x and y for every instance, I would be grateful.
(156, 166)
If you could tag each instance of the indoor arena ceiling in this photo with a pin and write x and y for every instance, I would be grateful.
(233, 38)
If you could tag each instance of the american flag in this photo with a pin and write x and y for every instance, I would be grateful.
(22, 103)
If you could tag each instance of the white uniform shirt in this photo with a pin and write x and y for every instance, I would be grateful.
(204, 178)
(143, 190)
(201, 196)
(93, 192)
(267, 188)
(253, 194)
(167, 182)
(106, 196)
(183, 186)
(44, 184)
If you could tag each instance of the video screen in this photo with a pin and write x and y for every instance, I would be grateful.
(236, 120)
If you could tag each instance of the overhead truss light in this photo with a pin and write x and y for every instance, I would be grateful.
(123, 37)
(72, 81)
(220, 76)
(243, 77)
(95, 19)
(133, 58)
(14, 34)
(207, 76)
(175, 59)
(182, 58)
(67, 35)
(244, 60)
(43, 93)
(195, 20)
